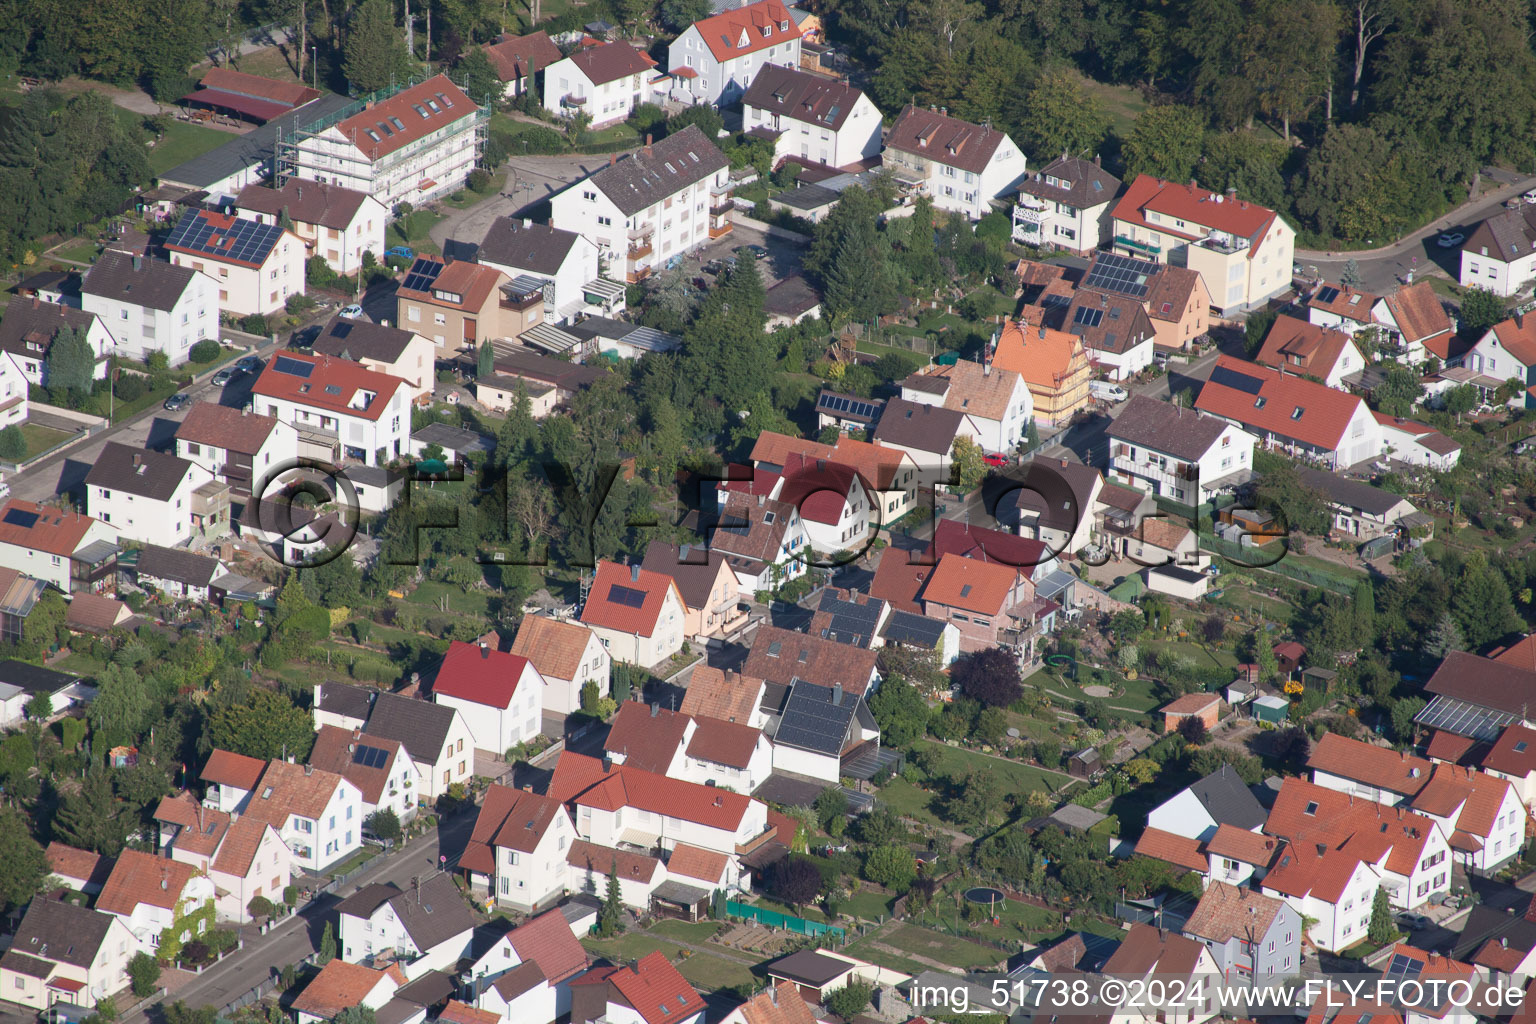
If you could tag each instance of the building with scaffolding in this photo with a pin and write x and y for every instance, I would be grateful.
(412, 145)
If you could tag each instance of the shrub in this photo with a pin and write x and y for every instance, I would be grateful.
(12, 444)
(318, 273)
(297, 303)
(260, 906)
(195, 952)
(256, 323)
(143, 974)
(205, 351)
(480, 179)
(291, 895)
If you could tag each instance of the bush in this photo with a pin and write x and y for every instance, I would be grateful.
(480, 179)
(256, 323)
(297, 303)
(318, 273)
(12, 444)
(196, 952)
(260, 906)
(291, 895)
(129, 386)
(205, 351)
(143, 973)
(533, 140)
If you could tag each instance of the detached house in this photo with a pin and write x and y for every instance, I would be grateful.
(244, 857)
(318, 813)
(337, 224)
(177, 573)
(1307, 350)
(1159, 956)
(155, 498)
(961, 166)
(462, 304)
(1242, 250)
(380, 768)
(518, 60)
(517, 851)
(666, 199)
(257, 266)
(1065, 205)
(1363, 512)
(1248, 934)
(436, 736)
(715, 59)
(820, 729)
(1416, 443)
(1175, 298)
(764, 540)
(1117, 333)
(158, 899)
(409, 355)
(1054, 365)
(538, 958)
(425, 928)
(889, 476)
(1500, 252)
(567, 656)
(710, 591)
(651, 991)
(638, 615)
(416, 146)
(236, 447)
(1341, 308)
(498, 694)
(27, 333)
(63, 953)
(64, 549)
(152, 305)
(1507, 351)
(341, 986)
(988, 603)
(699, 749)
(997, 398)
(341, 410)
(1298, 416)
(819, 120)
(1417, 327)
(564, 262)
(606, 81)
(926, 433)
(1168, 450)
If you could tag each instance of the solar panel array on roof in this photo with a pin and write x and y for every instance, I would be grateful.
(1405, 966)
(914, 630)
(1230, 378)
(19, 517)
(293, 367)
(847, 406)
(1087, 316)
(629, 597)
(244, 240)
(816, 717)
(1327, 293)
(370, 757)
(1120, 274)
(1464, 719)
(422, 274)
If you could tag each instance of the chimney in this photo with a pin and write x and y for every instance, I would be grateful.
(309, 769)
(138, 262)
(655, 709)
(1063, 463)
(138, 459)
(301, 191)
(613, 158)
(38, 302)
(648, 151)
(485, 652)
(634, 573)
(1097, 161)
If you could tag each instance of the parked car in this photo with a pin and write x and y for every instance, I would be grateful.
(352, 310)
(223, 377)
(403, 252)
(176, 403)
(997, 460)
(714, 266)
(248, 364)
(1530, 196)
(1107, 391)
(1450, 239)
(757, 251)
(1414, 922)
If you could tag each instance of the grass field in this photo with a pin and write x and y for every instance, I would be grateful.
(39, 439)
(465, 602)
(865, 949)
(77, 252)
(709, 973)
(948, 949)
(1122, 103)
(686, 931)
(182, 142)
(871, 906)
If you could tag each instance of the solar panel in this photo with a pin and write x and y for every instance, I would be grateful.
(629, 597)
(293, 367)
(422, 274)
(341, 329)
(1464, 719)
(812, 720)
(1327, 293)
(1230, 378)
(1088, 316)
(1405, 966)
(1120, 274)
(23, 519)
(242, 240)
(370, 757)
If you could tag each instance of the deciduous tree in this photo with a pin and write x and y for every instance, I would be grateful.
(1166, 143)
(268, 726)
(1062, 118)
(990, 676)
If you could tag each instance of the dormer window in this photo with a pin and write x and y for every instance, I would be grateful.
(767, 31)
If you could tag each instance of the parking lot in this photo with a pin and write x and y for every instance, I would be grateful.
(783, 257)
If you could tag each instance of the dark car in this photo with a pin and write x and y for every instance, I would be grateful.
(757, 251)
(249, 364)
(306, 338)
(714, 266)
(223, 377)
(176, 403)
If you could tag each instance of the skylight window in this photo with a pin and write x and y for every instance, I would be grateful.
(1312, 807)
(1296, 412)
(435, 108)
(1258, 403)
(372, 134)
(444, 100)
(420, 110)
(965, 591)
(386, 129)
(396, 122)
(1520, 747)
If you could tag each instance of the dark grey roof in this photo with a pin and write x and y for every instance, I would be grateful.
(1507, 235)
(1175, 572)
(1352, 493)
(61, 932)
(852, 623)
(486, 936)
(802, 96)
(177, 565)
(147, 474)
(602, 327)
(372, 476)
(153, 284)
(419, 725)
(368, 899)
(1486, 922)
(357, 340)
(1165, 427)
(805, 197)
(346, 700)
(926, 428)
(809, 967)
(305, 201)
(816, 718)
(559, 372)
(1058, 491)
(913, 630)
(791, 297)
(693, 569)
(30, 325)
(645, 178)
(34, 678)
(526, 246)
(849, 407)
(1107, 323)
(1228, 799)
(431, 989)
(433, 914)
(525, 977)
(1076, 182)
(254, 147)
(452, 439)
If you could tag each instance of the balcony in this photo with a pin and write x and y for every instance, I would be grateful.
(721, 231)
(723, 209)
(577, 102)
(639, 250)
(1123, 242)
(722, 189)
(520, 302)
(637, 275)
(1220, 241)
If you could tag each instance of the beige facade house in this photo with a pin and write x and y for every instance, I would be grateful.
(458, 305)
(337, 224)
(64, 953)
(409, 355)
(1054, 364)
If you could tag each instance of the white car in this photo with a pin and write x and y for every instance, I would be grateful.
(1530, 196)
(352, 312)
(1450, 240)
(1107, 391)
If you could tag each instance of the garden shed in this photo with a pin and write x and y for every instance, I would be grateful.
(1274, 710)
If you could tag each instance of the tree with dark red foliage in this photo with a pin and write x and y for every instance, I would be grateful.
(990, 676)
(795, 881)
(1193, 730)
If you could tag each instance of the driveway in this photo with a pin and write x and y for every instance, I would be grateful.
(531, 180)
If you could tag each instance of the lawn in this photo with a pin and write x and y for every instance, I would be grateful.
(41, 439)
(182, 142)
(949, 949)
(686, 931)
(869, 905)
(1219, 658)
(353, 862)
(711, 973)
(466, 602)
(632, 946)
(865, 949)
(620, 132)
(76, 252)
(1122, 103)
(414, 231)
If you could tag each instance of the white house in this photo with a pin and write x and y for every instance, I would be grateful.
(566, 656)
(1416, 443)
(424, 928)
(664, 200)
(235, 446)
(341, 986)
(519, 60)
(27, 333)
(996, 403)
(147, 495)
(819, 120)
(1150, 955)
(836, 509)
(528, 969)
(1310, 350)
(637, 615)
(257, 266)
(959, 165)
(714, 59)
(380, 768)
(1065, 205)
(649, 991)
(516, 854)
(1414, 326)
(155, 896)
(498, 694)
(606, 81)
(1295, 415)
(416, 146)
(436, 736)
(177, 573)
(337, 224)
(1197, 810)
(409, 355)
(245, 857)
(67, 550)
(342, 411)
(709, 751)
(1507, 350)
(1500, 253)
(1168, 450)
(231, 779)
(566, 262)
(151, 305)
(319, 814)
(64, 953)
(1118, 334)
(820, 724)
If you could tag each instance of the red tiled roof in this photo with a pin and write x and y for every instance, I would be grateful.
(1300, 346)
(1418, 312)
(1177, 850)
(333, 752)
(139, 877)
(1240, 844)
(1380, 767)
(202, 827)
(52, 531)
(1346, 302)
(548, 941)
(728, 743)
(769, 1008)
(1325, 412)
(72, 863)
(403, 106)
(898, 580)
(512, 819)
(952, 536)
(696, 863)
(583, 780)
(290, 94)
(473, 283)
(241, 844)
(1478, 796)
(340, 986)
(726, 696)
(944, 139)
(604, 860)
(737, 32)
(780, 655)
(480, 674)
(609, 62)
(817, 487)
(960, 582)
(646, 736)
(613, 580)
(1147, 948)
(555, 648)
(1195, 206)
(1191, 704)
(287, 789)
(231, 769)
(1308, 814)
(1447, 746)
(348, 378)
(512, 55)
(456, 1012)
(1226, 912)
(653, 987)
(222, 426)
(1514, 752)
(1500, 957)
(1301, 871)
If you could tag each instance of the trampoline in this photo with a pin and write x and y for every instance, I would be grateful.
(985, 895)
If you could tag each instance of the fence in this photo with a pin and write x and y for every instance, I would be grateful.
(774, 919)
(1245, 557)
(261, 990)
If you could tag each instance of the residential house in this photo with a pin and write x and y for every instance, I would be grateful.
(539, 956)
(1363, 512)
(666, 199)
(1416, 327)
(1507, 351)
(237, 447)
(1151, 954)
(988, 603)
(767, 1007)
(341, 985)
(620, 338)
(257, 266)
(246, 857)
(519, 60)
(409, 355)
(649, 991)
(1512, 757)
(849, 617)
(1065, 205)
(318, 813)
(999, 400)
(462, 304)
(716, 58)
(425, 928)
(155, 498)
(80, 870)
(88, 613)
(926, 432)
(1417, 444)
(724, 696)
(567, 656)
(291, 532)
(1342, 308)
(792, 301)
(152, 305)
(1054, 365)
(163, 902)
(1248, 934)
(1175, 298)
(638, 615)
(1117, 333)
(1176, 452)
(764, 541)
(821, 728)
(817, 119)
(1296, 415)
(177, 573)
(416, 146)
(890, 476)
(436, 736)
(961, 166)
(498, 694)
(591, 865)
(1307, 350)
(707, 585)
(939, 637)
(533, 369)
(698, 749)
(564, 261)
(836, 510)
(1475, 698)
(341, 410)
(1500, 252)
(780, 656)
(63, 953)
(1054, 503)
(21, 683)
(337, 224)
(380, 768)
(29, 328)
(517, 852)
(1509, 940)
(231, 779)
(1195, 812)
(1242, 250)
(606, 82)
(19, 594)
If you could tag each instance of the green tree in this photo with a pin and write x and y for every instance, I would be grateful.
(850, 1000)
(676, 15)
(831, 806)
(1290, 60)
(610, 917)
(1444, 637)
(1062, 118)
(1349, 277)
(90, 817)
(485, 360)
(1398, 392)
(70, 364)
(1165, 142)
(1296, 504)
(267, 726)
(143, 974)
(1259, 323)
(590, 697)
(121, 709)
(1359, 184)
(1245, 163)
(1480, 310)
(1264, 658)
(706, 117)
(23, 863)
(479, 77)
(967, 465)
(892, 866)
(13, 443)
(899, 710)
(1381, 927)
(1481, 603)
(356, 1015)
(385, 824)
(1461, 399)
(40, 708)
(374, 54)
(327, 951)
